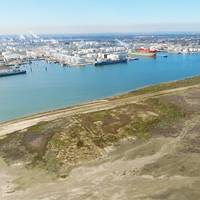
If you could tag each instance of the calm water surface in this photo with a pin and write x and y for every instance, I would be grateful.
(42, 90)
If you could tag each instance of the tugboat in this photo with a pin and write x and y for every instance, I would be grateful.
(12, 72)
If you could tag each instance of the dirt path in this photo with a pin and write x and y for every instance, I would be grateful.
(16, 125)
(5, 180)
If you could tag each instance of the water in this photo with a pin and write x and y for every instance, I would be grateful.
(58, 87)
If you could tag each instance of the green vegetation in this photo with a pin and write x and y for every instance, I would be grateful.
(164, 86)
(38, 127)
(167, 112)
(58, 144)
(167, 115)
(65, 142)
(99, 115)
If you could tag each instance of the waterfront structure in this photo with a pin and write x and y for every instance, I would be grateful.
(16, 50)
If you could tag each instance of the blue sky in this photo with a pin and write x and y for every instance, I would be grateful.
(83, 16)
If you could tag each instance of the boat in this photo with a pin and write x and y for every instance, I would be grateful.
(143, 52)
(130, 59)
(11, 72)
(110, 62)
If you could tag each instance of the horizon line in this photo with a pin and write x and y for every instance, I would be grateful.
(106, 33)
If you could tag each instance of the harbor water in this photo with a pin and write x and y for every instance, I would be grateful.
(51, 86)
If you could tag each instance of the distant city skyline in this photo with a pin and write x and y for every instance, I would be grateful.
(98, 16)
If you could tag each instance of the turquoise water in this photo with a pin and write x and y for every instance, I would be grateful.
(42, 90)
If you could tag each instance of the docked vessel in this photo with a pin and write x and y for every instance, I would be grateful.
(11, 72)
(143, 52)
(110, 62)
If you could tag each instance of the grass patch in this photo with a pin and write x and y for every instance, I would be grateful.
(38, 127)
(98, 116)
(168, 114)
(164, 86)
(140, 128)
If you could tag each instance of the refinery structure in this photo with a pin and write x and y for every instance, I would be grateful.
(19, 50)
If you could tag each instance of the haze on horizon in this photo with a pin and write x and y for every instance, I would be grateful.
(99, 16)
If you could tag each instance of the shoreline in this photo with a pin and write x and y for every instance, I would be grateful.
(72, 96)
(142, 94)
(135, 139)
(103, 99)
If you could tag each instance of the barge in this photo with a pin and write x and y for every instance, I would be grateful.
(11, 72)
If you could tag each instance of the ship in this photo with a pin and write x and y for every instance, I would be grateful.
(11, 72)
(143, 52)
(110, 62)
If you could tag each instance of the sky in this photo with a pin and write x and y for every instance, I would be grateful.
(98, 16)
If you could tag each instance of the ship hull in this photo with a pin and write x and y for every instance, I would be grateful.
(110, 62)
(141, 54)
(11, 73)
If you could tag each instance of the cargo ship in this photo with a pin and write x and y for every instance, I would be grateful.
(143, 52)
(11, 72)
(110, 62)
